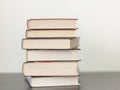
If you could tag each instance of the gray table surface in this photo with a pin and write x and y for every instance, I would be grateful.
(89, 81)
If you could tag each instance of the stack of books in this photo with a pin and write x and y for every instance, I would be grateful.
(52, 52)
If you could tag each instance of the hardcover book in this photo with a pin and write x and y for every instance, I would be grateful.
(52, 81)
(50, 43)
(46, 33)
(49, 68)
(51, 23)
(71, 87)
(53, 55)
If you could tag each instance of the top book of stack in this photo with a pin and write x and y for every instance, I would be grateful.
(52, 23)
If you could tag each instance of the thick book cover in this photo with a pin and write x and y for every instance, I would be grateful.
(51, 23)
(50, 43)
(52, 81)
(46, 33)
(50, 68)
(53, 55)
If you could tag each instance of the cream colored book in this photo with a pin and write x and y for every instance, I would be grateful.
(45, 33)
(51, 23)
(70, 87)
(53, 55)
(50, 43)
(50, 68)
(52, 81)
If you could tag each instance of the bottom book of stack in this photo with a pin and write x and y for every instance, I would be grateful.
(52, 81)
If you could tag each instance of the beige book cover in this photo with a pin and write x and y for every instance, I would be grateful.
(50, 43)
(51, 23)
(53, 55)
(50, 68)
(45, 33)
(52, 81)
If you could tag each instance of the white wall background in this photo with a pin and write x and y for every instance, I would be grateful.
(99, 23)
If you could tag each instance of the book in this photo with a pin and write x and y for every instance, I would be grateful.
(45, 33)
(50, 68)
(51, 23)
(70, 87)
(50, 43)
(53, 55)
(52, 81)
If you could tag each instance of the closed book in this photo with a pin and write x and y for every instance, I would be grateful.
(52, 81)
(51, 23)
(46, 33)
(71, 87)
(50, 68)
(50, 43)
(53, 55)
